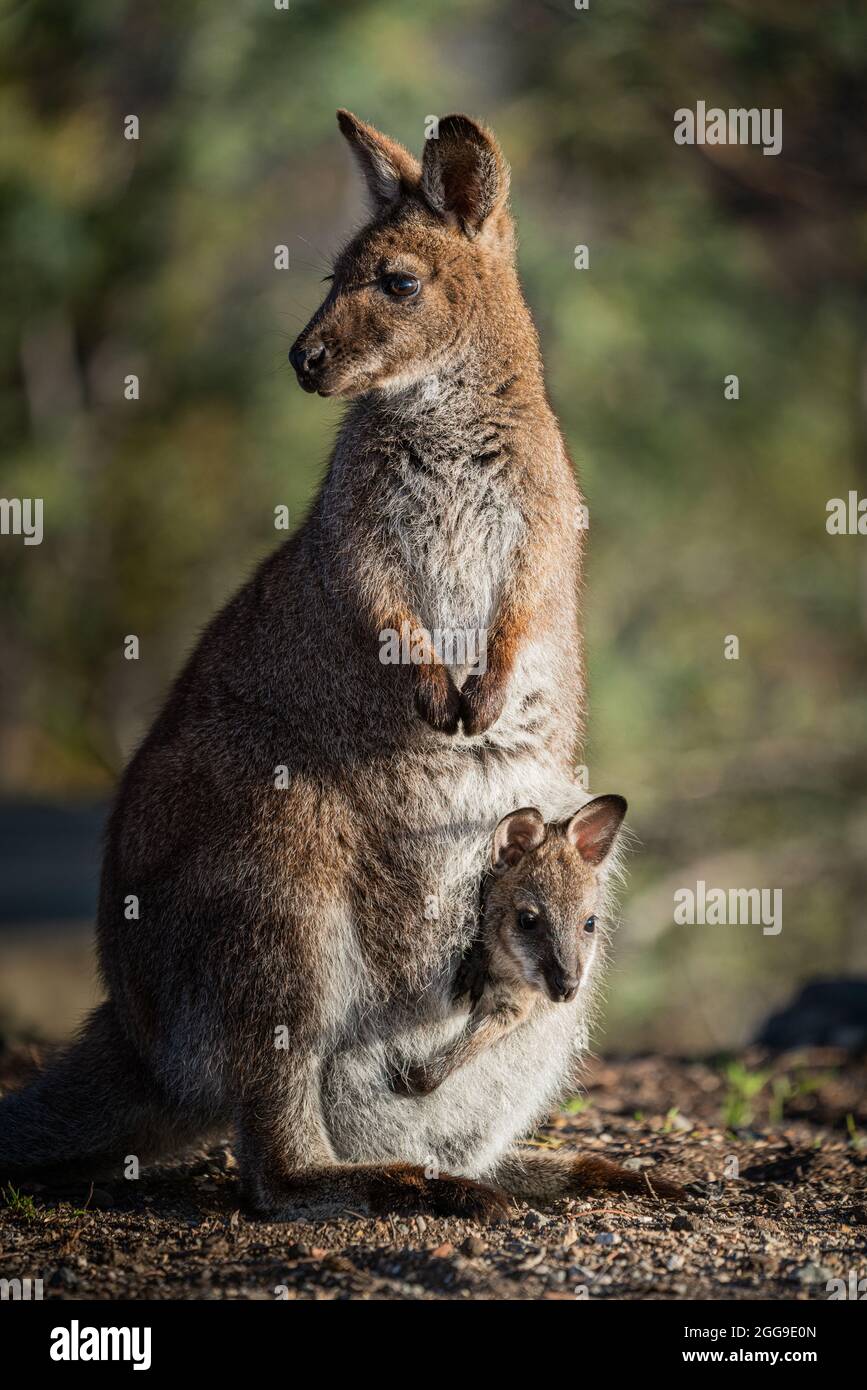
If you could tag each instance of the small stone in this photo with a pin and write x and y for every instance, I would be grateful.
(533, 1220)
(813, 1274)
(442, 1252)
(682, 1123)
(605, 1238)
(474, 1245)
(682, 1223)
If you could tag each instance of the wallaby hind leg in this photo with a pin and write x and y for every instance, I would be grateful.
(92, 1107)
(289, 1170)
(544, 1177)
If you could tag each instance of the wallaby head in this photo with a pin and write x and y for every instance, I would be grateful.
(429, 277)
(548, 885)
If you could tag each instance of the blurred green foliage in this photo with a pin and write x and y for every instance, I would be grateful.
(156, 257)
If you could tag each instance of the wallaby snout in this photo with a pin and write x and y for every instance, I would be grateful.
(562, 985)
(436, 257)
(308, 359)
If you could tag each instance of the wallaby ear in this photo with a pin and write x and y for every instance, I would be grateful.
(594, 828)
(388, 169)
(516, 835)
(464, 174)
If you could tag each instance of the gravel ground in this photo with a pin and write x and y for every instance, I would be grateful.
(774, 1152)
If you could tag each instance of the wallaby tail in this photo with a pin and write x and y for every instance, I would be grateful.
(91, 1107)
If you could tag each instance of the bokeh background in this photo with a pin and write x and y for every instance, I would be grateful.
(156, 257)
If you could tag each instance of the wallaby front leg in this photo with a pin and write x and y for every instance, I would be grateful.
(387, 612)
(484, 693)
(478, 1035)
(290, 1172)
(437, 698)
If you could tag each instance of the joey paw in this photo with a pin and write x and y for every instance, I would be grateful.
(416, 1081)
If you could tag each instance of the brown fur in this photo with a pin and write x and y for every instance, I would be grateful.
(298, 903)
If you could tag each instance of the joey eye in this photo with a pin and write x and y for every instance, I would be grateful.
(401, 286)
(528, 921)
(590, 924)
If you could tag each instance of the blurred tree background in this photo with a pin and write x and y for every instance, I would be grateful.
(156, 257)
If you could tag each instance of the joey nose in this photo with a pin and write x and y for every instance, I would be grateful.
(308, 360)
(562, 987)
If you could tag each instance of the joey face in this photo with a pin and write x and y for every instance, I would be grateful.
(543, 910)
(405, 291)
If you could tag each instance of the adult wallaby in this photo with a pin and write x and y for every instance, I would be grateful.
(303, 831)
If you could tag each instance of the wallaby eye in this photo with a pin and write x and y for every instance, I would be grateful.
(401, 286)
(590, 924)
(528, 921)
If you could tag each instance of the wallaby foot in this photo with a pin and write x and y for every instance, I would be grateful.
(394, 1188)
(545, 1177)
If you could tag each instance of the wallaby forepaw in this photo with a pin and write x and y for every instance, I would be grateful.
(482, 701)
(437, 699)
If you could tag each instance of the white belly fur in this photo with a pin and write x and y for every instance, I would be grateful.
(479, 1111)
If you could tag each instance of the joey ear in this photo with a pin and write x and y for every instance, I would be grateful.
(388, 169)
(464, 174)
(594, 828)
(516, 835)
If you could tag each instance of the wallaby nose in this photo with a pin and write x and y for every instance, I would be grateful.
(308, 361)
(562, 987)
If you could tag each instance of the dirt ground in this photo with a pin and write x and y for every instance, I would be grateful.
(774, 1152)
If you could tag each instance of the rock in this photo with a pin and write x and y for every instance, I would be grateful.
(682, 1223)
(826, 1013)
(682, 1123)
(444, 1251)
(813, 1274)
(474, 1245)
(101, 1200)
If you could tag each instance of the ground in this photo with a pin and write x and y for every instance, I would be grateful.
(774, 1150)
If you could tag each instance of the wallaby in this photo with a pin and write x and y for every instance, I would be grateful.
(538, 933)
(292, 860)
